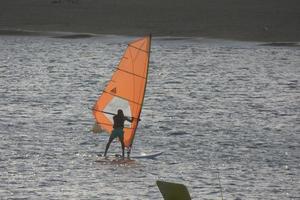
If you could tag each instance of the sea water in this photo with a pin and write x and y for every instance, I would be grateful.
(216, 108)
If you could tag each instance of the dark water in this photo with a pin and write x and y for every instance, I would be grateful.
(211, 106)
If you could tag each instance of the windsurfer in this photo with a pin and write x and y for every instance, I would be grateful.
(118, 126)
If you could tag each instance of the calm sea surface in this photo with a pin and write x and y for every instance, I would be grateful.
(212, 106)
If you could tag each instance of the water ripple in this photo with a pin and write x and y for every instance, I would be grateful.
(214, 107)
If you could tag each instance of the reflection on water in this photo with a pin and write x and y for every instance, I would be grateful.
(210, 105)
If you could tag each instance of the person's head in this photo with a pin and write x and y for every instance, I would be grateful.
(120, 112)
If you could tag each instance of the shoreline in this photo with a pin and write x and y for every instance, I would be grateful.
(240, 20)
(57, 33)
(79, 35)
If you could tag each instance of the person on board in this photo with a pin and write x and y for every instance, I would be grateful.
(118, 126)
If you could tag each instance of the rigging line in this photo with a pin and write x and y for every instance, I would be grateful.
(122, 98)
(130, 73)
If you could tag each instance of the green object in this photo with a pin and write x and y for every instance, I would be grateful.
(118, 132)
(173, 191)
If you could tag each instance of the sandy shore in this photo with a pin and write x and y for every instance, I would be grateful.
(256, 20)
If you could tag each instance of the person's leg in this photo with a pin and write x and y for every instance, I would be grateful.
(128, 152)
(123, 146)
(111, 138)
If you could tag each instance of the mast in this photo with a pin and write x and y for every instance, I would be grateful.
(138, 118)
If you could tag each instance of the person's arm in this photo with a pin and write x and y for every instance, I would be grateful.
(130, 120)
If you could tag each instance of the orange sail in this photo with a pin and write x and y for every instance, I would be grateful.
(125, 90)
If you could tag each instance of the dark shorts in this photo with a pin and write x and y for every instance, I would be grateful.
(117, 133)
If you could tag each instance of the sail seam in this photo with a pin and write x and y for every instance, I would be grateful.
(131, 73)
(138, 48)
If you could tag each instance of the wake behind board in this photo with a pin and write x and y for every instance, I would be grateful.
(147, 156)
(144, 155)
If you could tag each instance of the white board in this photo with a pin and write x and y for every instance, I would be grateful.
(146, 156)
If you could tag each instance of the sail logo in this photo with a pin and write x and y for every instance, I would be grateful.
(114, 90)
